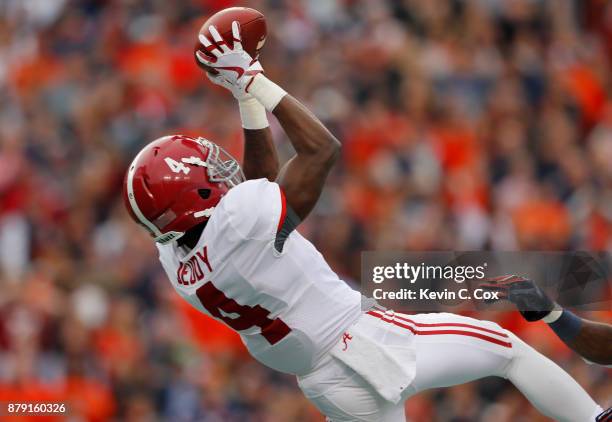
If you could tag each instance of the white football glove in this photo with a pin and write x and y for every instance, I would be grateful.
(220, 80)
(235, 66)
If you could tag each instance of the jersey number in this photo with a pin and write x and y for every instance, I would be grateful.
(176, 166)
(241, 317)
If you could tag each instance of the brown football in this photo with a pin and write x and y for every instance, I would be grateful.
(253, 30)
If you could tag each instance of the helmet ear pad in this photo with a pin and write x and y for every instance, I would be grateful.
(204, 193)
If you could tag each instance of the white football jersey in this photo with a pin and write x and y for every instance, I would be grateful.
(290, 307)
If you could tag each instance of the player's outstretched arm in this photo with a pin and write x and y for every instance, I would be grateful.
(302, 178)
(592, 340)
(260, 158)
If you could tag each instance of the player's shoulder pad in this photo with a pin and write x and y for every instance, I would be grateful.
(254, 209)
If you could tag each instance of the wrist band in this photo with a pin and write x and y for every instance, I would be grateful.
(267, 92)
(567, 326)
(553, 315)
(252, 114)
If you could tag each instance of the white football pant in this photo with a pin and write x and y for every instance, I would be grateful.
(446, 350)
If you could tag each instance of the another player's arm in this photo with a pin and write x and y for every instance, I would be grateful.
(592, 340)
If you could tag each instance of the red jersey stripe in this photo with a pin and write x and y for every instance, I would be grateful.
(281, 221)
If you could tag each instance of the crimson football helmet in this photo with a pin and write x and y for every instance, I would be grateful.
(175, 182)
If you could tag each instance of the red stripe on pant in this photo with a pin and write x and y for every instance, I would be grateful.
(449, 324)
(442, 332)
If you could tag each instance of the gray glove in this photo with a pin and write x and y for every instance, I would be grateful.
(530, 300)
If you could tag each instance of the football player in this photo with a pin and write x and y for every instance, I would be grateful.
(230, 249)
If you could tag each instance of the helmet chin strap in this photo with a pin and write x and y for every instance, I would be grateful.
(204, 213)
(168, 237)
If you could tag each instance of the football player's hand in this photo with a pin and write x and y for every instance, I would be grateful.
(235, 67)
(239, 94)
(530, 300)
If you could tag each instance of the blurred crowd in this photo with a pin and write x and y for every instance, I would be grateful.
(466, 124)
